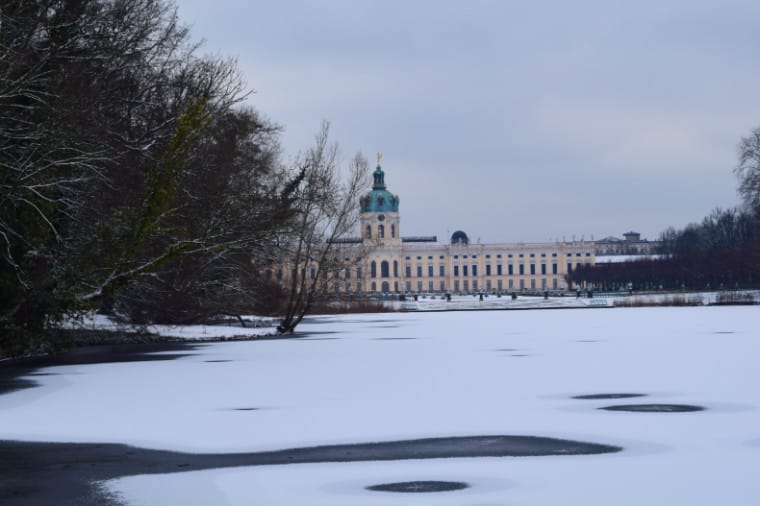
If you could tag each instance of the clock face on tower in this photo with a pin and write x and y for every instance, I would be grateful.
(381, 217)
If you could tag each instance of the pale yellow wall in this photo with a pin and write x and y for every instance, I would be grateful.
(390, 249)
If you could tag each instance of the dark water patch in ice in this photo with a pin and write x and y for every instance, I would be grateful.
(394, 338)
(519, 355)
(655, 408)
(8, 385)
(724, 332)
(216, 361)
(593, 397)
(587, 341)
(65, 473)
(12, 372)
(245, 409)
(508, 349)
(419, 486)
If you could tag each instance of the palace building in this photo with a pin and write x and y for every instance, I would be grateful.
(393, 263)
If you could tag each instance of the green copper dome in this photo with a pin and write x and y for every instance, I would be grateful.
(379, 200)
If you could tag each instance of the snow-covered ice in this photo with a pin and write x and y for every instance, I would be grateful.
(393, 376)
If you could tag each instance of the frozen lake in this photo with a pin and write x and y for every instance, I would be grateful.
(406, 376)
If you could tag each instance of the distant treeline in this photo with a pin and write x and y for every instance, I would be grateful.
(723, 251)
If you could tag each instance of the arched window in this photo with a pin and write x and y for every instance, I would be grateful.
(369, 232)
(393, 231)
(373, 270)
(384, 269)
(381, 231)
(395, 270)
(386, 287)
(374, 286)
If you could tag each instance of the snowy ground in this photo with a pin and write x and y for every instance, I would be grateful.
(385, 377)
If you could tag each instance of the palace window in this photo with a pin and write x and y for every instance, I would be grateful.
(543, 268)
(456, 271)
(369, 232)
(441, 270)
(554, 268)
(510, 270)
(474, 270)
(532, 269)
(498, 270)
(464, 272)
(393, 231)
(430, 271)
(488, 269)
(419, 271)
(381, 231)
(522, 269)
(373, 271)
(395, 269)
(408, 270)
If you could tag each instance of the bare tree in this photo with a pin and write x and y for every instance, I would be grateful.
(326, 211)
(104, 108)
(748, 170)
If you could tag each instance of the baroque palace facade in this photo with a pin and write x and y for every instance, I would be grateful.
(396, 264)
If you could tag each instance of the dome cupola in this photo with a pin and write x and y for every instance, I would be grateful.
(379, 200)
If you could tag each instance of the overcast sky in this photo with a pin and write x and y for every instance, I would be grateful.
(513, 121)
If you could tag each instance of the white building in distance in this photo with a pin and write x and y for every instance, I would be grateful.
(416, 265)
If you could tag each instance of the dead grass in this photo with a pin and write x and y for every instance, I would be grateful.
(356, 306)
(667, 301)
(736, 299)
